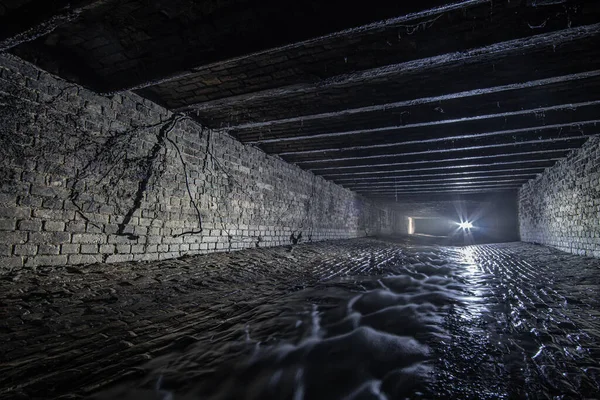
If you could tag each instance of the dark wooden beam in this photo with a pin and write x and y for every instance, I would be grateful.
(414, 189)
(566, 142)
(428, 140)
(411, 185)
(278, 29)
(442, 174)
(440, 195)
(301, 37)
(440, 189)
(473, 26)
(39, 18)
(485, 55)
(519, 99)
(548, 156)
(440, 128)
(408, 182)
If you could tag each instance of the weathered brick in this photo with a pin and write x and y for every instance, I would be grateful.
(91, 227)
(75, 226)
(25, 249)
(162, 248)
(120, 239)
(46, 191)
(8, 200)
(89, 248)
(6, 249)
(54, 226)
(123, 248)
(48, 249)
(49, 237)
(15, 212)
(53, 203)
(46, 260)
(7, 224)
(30, 225)
(107, 248)
(97, 238)
(13, 237)
(75, 259)
(119, 258)
(8, 263)
(69, 248)
(60, 215)
(137, 248)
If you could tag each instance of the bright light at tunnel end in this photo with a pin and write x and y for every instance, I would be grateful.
(465, 225)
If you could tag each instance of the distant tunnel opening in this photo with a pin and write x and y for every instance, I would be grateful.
(432, 227)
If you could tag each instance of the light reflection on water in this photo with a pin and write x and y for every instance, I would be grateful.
(472, 322)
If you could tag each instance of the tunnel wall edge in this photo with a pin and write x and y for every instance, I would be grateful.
(561, 207)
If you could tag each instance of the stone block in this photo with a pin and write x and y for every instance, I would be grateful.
(30, 225)
(49, 237)
(25, 249)
(119, 258)
(123, 248)
(54, 226)
(15, 212)
(13, 237)
(9, 263)
(137, 248)
(75, 259)
(6, 250)
(48, 249)
(8, 200)
(46, 260)
(96, 238)
(107, 248)
(117, 239)
(89, 249)
(7, 224)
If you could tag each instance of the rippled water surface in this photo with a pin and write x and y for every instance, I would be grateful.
(488, 321)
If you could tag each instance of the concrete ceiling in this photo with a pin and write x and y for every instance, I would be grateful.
(392, 99)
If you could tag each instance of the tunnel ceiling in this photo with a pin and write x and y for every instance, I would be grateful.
(385, 98)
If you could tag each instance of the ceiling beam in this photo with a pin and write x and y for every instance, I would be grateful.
(313, 39)
(39, 18)
(538, 155)
(531, 171)
(448, 150)
(536, 130)
(410, 186)
(542, 117)
(455, 180)
(483, 54)
(444, 193)
(298, 122)
(439, 189)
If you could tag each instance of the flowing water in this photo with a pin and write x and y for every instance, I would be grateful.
(481, 322)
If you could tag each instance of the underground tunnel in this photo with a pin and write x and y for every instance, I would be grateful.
(255, 200)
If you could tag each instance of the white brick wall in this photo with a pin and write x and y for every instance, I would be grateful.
(561, 208)
(62, 203)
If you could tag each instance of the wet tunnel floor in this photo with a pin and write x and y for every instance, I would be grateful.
(355, 319)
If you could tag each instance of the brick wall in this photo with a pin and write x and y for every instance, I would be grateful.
(88, 178)
(561, 208)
